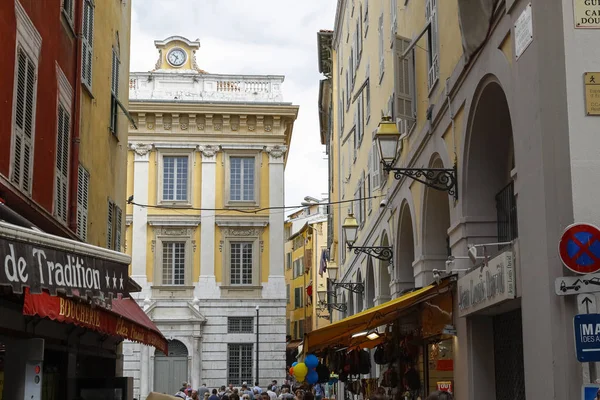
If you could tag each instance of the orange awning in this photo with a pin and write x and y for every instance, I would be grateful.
(340, 333)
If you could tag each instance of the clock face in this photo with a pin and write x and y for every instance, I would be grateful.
(176, 57)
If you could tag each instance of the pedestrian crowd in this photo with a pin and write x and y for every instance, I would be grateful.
(274, 392)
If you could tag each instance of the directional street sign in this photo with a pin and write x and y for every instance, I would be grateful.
(587, 337)
(568, 285)
(586, 303)
(579, 248)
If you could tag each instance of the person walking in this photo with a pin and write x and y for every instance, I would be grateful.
(214, 395)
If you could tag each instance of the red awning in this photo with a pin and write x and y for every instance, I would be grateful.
(126, 319)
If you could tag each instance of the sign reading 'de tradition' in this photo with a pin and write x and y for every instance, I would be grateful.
(487, 285)
(40, 267)
(586, 13)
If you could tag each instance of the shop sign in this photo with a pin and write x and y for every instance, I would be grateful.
(94, 318)
(25, 264)
(488, 285)
(444, 386)
(586, 13)
(591, 83)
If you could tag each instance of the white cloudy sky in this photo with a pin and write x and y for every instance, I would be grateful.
(252, 37)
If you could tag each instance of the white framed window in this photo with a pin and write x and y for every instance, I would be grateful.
(241, 248)
(173, 263)
(114, 226)
(175, 177)
(239, 363)
(242, 176)
(83, 187)
(240, 325)
(173, 257)
(433, 65)
(241, 263)
(114, 96)
(404, 88)
(87, 43)
(63, 146)
(381, 48)
(28, 47)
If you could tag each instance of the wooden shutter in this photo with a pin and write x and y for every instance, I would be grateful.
(360, 119)
(403, 90)
(87, 43)
(118, 227)
(381, 60)
(22, 162)
(62, 163)
(115, 73)
(110, 221)
(394, 23)
(433, 56)
(375, 168)
(83, 185)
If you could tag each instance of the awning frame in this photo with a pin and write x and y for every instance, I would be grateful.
(340, 332)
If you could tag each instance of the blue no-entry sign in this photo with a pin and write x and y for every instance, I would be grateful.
(587, 337)
(579, 248)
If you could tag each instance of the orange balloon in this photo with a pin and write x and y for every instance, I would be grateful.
(291, 370)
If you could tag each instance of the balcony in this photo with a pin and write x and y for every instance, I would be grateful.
(193, 86)
(506, 213)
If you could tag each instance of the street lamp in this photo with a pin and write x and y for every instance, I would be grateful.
(388, 142)
(323, 293)
(350, 227)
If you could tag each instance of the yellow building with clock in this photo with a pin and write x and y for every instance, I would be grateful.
(207, 153)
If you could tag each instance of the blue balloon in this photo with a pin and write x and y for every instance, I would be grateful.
(311, 361)
(312, 377)
(294, 364)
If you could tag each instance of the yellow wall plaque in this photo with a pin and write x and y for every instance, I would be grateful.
(591, 81)
(587, 13)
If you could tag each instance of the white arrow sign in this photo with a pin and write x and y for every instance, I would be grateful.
(568, 285)
(586, 303)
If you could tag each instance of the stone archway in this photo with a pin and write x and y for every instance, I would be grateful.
(436, 222)
(385, 278)
(489, 208)
(370, 284)
(359, 296)
(170, 371)
(405, 251)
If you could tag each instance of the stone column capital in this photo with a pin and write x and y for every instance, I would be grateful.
(276, 152)
(208, 152)
(141, 150)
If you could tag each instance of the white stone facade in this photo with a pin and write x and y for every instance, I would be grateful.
(196, 313)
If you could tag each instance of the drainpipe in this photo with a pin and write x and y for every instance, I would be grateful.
(76, 120)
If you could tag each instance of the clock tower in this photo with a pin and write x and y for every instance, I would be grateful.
(177, 53)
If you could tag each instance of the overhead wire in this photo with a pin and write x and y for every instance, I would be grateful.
(247, 211)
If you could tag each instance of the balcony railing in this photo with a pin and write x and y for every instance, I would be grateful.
(506, 212)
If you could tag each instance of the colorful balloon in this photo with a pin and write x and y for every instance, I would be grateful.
(312, 377)
(291, 370)
(295, 363)
(311, 361)
(300, 370)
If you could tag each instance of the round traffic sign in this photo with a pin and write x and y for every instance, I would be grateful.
(579, 248)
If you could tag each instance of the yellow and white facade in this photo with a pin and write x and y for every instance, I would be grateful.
(206, 162)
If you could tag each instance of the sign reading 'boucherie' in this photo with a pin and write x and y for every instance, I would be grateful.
(38, 267)
(488, 285)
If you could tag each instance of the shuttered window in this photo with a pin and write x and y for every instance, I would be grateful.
(394, 21)
(432, 43)
(298, 298)
(87, 43)
(366, 18)
(62, 163)
(114, 97)
(376, 168)
(110, 220)
(287, 293)
(381, 53)
(403, 86)
(83, 187)
(114, 226)
(67, 8)
(25, 102)
(360, 120)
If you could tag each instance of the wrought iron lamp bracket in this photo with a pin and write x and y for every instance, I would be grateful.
(338, 306)
(444, 179)
(383, 253)
(356, 287)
